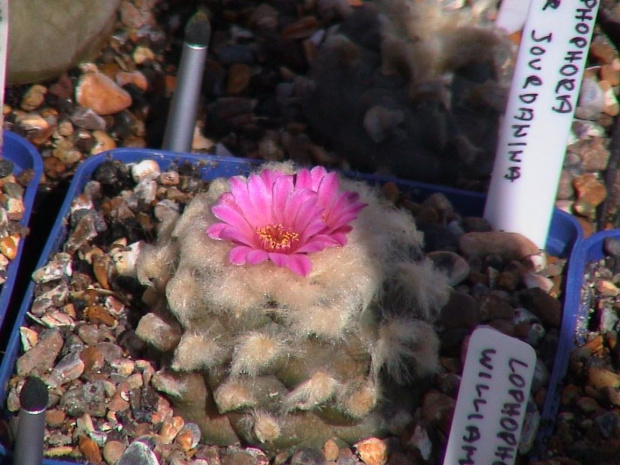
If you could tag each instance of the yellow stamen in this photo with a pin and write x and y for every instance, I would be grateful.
(275, 238)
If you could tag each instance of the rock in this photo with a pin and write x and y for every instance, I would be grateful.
(306, 456)
(44, 40)
(67, 153)
(591, 192)
(138, 452)
(607, 423)
(131, 16)
(33, 98)
(113, 451)
(438, 408)
(86, 118)
(90, 449)
(591, 100)
(264, 17)
(606, 288)
(594, 153)
(611, 246)
(372, 451)
(565, 186)
(143, 55)
(587, 405)
(188, 437)
(136, 78)
(104, 142)
(452, 263)
(600, 378)
(239, 76)
(419, 441)
(541, 304)
(8, 247)
(461, 311)
(42, 356)
(379, 121)
(147, 169)
(330, 450)
(612, 108)
(610, 73)
(493, 307)
(92, 358)
(510, 246)
(531, 280)
(602, 50)
(101, 94)
(301, 29)
(69, 368)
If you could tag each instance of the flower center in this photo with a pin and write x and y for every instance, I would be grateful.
(276, 238)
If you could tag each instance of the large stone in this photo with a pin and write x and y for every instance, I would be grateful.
(49, 36)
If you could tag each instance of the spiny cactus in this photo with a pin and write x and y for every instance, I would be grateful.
(290, 307)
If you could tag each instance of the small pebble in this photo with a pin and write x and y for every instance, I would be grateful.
(372, 451)
(90, 449)
(101, 94)
(138, 453)
(33, 98)
(8, 247)
(113, 451)
(510, 246)
(330, 450)
(308, 456)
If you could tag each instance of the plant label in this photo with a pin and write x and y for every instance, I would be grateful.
(511, 15)
(492, 400)
(541, 104)
(4, 45)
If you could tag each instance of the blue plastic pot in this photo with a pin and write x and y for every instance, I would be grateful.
(565, 233)
(24, 156)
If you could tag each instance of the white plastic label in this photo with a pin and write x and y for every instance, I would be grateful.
(539, 113)
(4, 45)
(492, 400)
(512, 15)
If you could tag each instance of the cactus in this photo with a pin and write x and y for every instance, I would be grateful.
(284, 344)
(413, 86)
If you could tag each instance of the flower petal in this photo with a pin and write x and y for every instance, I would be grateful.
(314, 227)
(303, 179)
(237, 236)
(344, 210)
(316, 244)
(256, 256)
(243, 201)
(230, 215)
(282, 189)
(279, 259)
(300, 264)
(238, 255)
(328, 190)
(317, 173)
(214, 231)
(339, 238)
(260, 194)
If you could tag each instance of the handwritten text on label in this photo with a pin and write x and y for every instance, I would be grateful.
(492, 400)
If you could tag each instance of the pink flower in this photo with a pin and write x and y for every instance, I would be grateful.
(340, 208)
(282, 217)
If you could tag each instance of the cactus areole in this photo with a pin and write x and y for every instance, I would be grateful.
(291, 307)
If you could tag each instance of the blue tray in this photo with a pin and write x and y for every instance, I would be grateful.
(24, 156)
(565, 232)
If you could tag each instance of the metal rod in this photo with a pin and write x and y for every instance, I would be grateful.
(182, 116)
(33, 400)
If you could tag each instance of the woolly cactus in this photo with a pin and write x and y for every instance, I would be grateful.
(416, 86)
(290, 307)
